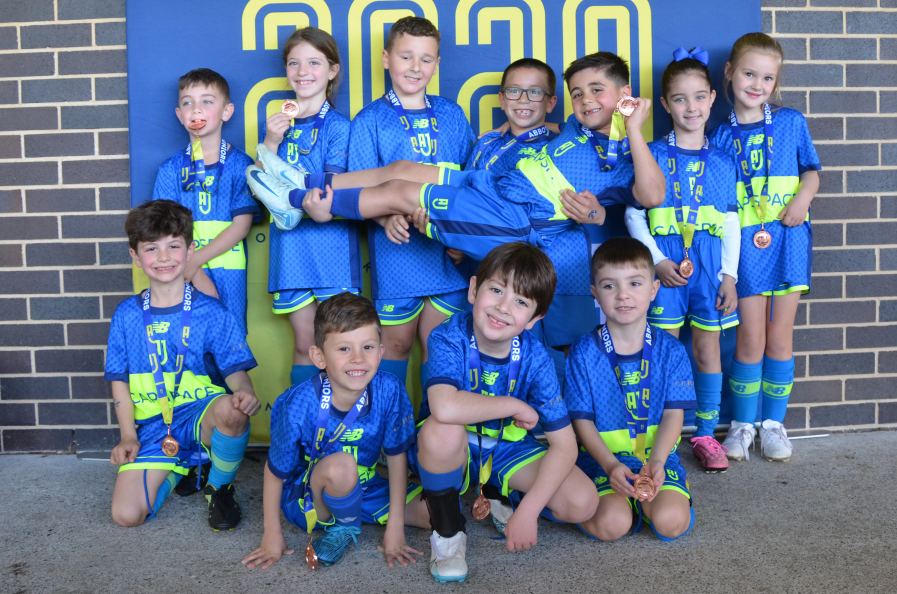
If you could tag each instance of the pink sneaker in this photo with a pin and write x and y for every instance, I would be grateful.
(710, 453)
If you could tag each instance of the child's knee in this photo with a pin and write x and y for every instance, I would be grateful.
(435, 437)
(230, 419)
(609, 526)
(671, 522)
(128, 516)
(338, 470)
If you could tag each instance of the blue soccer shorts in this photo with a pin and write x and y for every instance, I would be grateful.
(292, 300)
(394, 312)
(676, 479)
(695, 301)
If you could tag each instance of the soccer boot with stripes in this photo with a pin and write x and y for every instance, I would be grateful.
(774, 442)
(332, 544)
(280, 169)
(224, 511)
(275, 195)
(739, 440)
(710, 453)
(188, 485)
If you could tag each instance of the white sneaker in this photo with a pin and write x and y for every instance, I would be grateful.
(774, 442)
(275, 195)
(277, 167)
(448, 561)
(501, 513)
(739, 440)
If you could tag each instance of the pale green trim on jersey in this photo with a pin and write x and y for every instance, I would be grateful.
(511, 433)
(143, 389)
(547, 179)
(781, 189)
(206, 231)
(663, 220)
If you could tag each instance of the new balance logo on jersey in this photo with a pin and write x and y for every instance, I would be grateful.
(160, 327)
(421, 124)
(693, 166)
(631, 378)
(489, 377)
(353, 435)
(758, 139)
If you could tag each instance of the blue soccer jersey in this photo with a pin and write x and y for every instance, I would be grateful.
(386, 421)
(537, 384)
(314, 255)
(788, 260)
(593, 393)
(217, 349)
(421, 267)
(213, 213)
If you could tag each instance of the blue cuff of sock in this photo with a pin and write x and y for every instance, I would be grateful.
(442, 481)
(339, 503)
(775, 365)
(319, 179)
(345, 204)
(742, 370)
(296, 197)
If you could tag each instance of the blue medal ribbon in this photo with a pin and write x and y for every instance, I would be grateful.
(608, 161)
(525, 137)
(293, 136)
(193, 168)
(687, 229)
(745, 171)
(325, 397)
(475, 373)
(416, 150)
(637, 403)
(158, 376)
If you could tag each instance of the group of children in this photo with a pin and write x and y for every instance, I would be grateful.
(478, 248)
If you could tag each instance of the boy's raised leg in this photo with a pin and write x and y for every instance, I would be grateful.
(337, 494)
(225, 431)
(129, 496)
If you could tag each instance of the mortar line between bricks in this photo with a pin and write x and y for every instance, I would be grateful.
(85, 103)
(74, 21)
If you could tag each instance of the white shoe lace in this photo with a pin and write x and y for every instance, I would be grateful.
(450, 547)
(744, 435)
(773, 433)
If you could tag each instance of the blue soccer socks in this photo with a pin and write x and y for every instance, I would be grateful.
(165, 489)
(778, 377)
(397, 368)
(346, 510)
(744, 384)
(345, 204)
(227, 453)
(318, 179)
(708, 388)
(442, 481)
(301, 373)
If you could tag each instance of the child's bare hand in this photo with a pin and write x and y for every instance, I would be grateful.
(635, 122)
(526, 416)
(275, 127)
(795, 213)
(668, 273)
(125, 452)
(421, 219)
(618, 475)
(457, 256)
(727, 300)
(503, 129)
(396, 227)
(396, 549)
(655, 472)
(247, 403)
(522, 533)
(582, 207)
(272, 549)
(316, 204)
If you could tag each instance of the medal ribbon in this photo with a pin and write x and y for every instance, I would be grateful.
(638, 410)
(741, 153)
(475, 373)
(525, 137)
(315, 131)
(617, 129)
(158, 376)
(687, 229)
(412, 137)
(326, 394)
(193, 168)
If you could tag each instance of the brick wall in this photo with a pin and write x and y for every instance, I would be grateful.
(63, 198)
(64, 194)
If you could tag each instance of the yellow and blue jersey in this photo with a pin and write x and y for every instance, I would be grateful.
(217, 349)
(314, 256)
(593, 393)
(386, 421)
(421, 267)
(213, 213)
(490, 144)
(787, 262)
(537, 383)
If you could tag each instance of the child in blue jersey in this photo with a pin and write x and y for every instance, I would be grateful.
(694, 238)
(208, 178)
(326, 437)
(776, 183)
(490, 382)
(628, 384)
(310, 263)
(172, 354)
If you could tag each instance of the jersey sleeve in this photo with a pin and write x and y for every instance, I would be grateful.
(622, 180)
(807, 158)
(447, 360)
(363, 151)
(680, 385)
(116, 350)
(242, 201)
(228, 345)
(544, 391)
(167, 185)
(400, 433)
(285, 453)
(336, 157)
(577, 386)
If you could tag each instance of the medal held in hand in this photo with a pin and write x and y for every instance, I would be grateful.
(290, 109)
(686, 267)
(645, 487)
(626, 105)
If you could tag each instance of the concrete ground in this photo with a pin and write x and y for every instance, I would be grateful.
(823, 522)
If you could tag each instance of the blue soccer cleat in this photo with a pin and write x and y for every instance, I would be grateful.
(277, 167)
(331, 546)
(275, 195)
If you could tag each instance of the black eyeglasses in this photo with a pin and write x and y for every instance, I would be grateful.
(514, 93)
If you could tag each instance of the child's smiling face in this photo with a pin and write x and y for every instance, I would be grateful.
(595, 97)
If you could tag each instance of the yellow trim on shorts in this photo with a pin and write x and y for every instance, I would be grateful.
(505, 487)
(408, 498)
(441, 309)
(715, 327)
(802, 288)
(405, 320)
(669, 326)
(171, 466)
(305, 303)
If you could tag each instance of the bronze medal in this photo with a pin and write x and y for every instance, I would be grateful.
(289, 109)
(311, 557)
(644, 487)
(686, 268)
(481, 507)
(170, 446)
(626, 105)
(762, 239)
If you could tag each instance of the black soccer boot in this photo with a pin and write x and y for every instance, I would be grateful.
(187, 485)
(224, 511)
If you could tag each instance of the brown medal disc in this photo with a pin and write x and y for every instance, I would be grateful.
(762, 239)
(626, 105)
(686, 268)
(289, 109)
(311, 557)
(170, 446)
(481, 507)
(644, 487)
(197, 124)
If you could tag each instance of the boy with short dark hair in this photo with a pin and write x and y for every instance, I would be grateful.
(628, 384)
(326, 436)
(208, 177)
(171, 353)
(490, 383)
